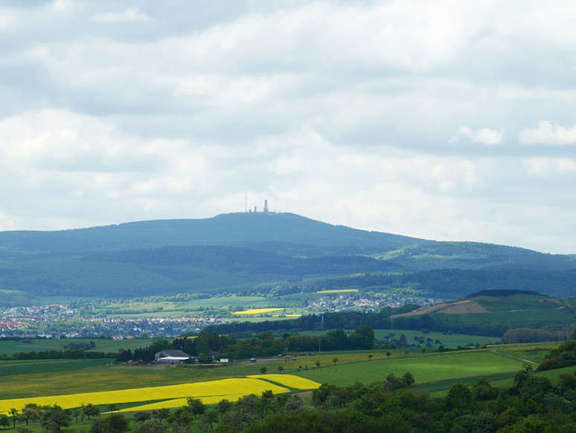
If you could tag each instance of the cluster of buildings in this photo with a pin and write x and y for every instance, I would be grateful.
(365, 303)
(16, 319)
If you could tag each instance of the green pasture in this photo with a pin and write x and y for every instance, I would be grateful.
(424, 368)
(9, 347)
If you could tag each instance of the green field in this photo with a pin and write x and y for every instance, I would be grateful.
(432, 371)
(424, 368)
(9, 347)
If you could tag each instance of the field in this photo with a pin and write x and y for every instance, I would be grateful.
(425, 368)
(209, 392)
(66, 382)
(19, 379)
(336, 291)
(9, 347)
(255, 311)
(173, 307)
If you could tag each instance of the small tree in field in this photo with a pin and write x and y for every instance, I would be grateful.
(263, 370)
(14, 415)
(90, 411)
(54, 418)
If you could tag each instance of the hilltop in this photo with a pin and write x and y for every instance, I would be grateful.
(260, 230)
(261, 251)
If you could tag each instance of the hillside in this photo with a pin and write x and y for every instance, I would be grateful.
(494, 311)
(236, 252)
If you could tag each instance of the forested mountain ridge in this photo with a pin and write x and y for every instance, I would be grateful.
(232, 229)
(239, 251)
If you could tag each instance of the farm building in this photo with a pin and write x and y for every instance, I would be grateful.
(171, 357)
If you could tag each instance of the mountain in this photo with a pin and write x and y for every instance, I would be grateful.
(244, 251)
(271, 230)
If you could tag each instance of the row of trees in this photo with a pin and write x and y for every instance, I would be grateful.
(210, 344)
(58, 354)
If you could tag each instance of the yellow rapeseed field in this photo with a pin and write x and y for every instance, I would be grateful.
(214, 389)
(337, 291)
(289, 380)
(179, 402)
(256, 311)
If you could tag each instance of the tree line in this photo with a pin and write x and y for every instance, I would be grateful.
(211, 345)
(352, 319)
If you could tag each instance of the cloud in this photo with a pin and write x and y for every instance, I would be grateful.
(338, 110)
(546, 167)
(126, 16)
(549, 133)
(486, 136)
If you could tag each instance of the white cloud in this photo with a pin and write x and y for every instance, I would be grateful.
(337, 110)
(546, 167)
(126, 16)
(549, 133)
(486, 136)
(6, 20)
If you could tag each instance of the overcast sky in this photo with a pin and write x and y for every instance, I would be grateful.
(441, 119)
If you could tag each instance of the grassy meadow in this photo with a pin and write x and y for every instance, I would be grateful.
(9, 347)
(425, 368)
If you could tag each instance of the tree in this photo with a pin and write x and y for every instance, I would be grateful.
(116, 423)
(151, 426)
(408, 379)
(14, 415)
(263, 370)
(280, 369)
(31, 412)
(4, 421)
(141, 416)
(90, 410)
(54, 418)
(459, 396)
(161, 414)
(334, 360)
(223, 406)
(195, 406)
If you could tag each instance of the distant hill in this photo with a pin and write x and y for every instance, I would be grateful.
(272, 230)
(242, 251)
(492, 312)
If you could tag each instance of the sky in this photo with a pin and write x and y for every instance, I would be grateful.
(440, 119)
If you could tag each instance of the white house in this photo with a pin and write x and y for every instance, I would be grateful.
(171, 357)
